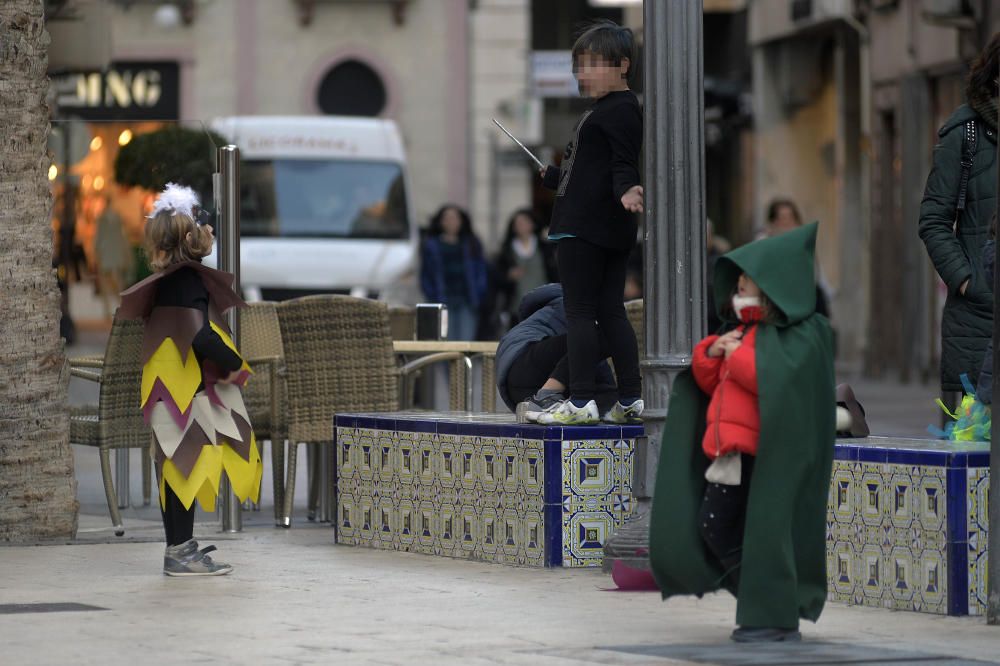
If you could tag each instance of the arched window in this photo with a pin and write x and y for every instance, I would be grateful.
(351, 88)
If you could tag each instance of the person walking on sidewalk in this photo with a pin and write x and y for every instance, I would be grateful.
(191, 378)
(741, 504)
(597, 194)
(958, 204)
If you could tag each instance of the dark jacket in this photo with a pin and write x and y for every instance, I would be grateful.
(542, 316)
(967, 323)
(984, 390)
(432, 278)
(600, 164)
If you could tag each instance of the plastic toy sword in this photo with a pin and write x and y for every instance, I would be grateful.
(514, 139)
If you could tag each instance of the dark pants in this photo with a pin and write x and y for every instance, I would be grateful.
(178, 522)
(723, 517)
(593, 280)
(541, 361)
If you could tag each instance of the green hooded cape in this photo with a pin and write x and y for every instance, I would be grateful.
(783, 570)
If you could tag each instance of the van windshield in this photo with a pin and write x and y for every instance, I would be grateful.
(322, 199)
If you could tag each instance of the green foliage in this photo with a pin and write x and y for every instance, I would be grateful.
(169, 155)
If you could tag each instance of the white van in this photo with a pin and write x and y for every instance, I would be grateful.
(324, 208)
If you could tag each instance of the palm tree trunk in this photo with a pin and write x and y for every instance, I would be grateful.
(37, 484)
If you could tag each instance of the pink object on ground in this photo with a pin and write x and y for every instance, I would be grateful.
(631, 579)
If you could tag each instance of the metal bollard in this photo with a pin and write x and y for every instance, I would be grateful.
(229, 261)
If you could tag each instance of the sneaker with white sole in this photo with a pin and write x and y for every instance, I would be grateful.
(569, 414)
(625, 415)
(186, 560)
(531, 410)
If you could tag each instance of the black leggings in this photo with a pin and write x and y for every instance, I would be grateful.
(593, 280)
(178, 522)
(723, 517)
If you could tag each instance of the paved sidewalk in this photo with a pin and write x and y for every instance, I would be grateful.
(296, 598)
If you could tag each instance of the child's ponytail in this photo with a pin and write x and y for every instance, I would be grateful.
(172, 238)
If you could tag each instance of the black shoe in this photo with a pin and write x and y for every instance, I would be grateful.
(845, 398)
(765, 635)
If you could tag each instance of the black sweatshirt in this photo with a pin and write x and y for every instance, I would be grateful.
(601, 163)
(184, 288)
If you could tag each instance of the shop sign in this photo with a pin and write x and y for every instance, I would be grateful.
(125, 91)
(552, 74)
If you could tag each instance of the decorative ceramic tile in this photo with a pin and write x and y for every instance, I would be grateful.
(886, 536)
(469, 495)
(978, 483)
(596, 496)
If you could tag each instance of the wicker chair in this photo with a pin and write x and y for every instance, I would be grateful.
(338, 358)
(116, 421)
(338, 355)
(260, 341)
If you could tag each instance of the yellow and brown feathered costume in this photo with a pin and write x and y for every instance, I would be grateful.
(200, 425)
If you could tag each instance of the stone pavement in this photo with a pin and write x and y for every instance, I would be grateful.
(295, 597)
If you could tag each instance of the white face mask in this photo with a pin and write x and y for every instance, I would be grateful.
(742, 302)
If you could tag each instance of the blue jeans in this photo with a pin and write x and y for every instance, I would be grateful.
(462, 322)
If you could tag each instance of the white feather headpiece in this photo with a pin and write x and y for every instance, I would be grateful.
(175, 199)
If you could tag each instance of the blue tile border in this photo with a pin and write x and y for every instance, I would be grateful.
(842, 452)
(633, 431)
(872, 454)
(977, 459)
(958, 538)
(365, 422)
(553, 535)
(592, 432)
(922, 458)
(553, 476)
(345, 421)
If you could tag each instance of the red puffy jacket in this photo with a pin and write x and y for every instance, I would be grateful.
(733, 412)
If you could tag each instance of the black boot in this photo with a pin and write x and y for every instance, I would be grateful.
(765, 635)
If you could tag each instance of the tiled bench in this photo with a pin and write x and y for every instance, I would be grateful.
(906, 525)
(482, 487)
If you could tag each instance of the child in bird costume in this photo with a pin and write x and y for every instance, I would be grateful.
(747, 452)
(191, 378)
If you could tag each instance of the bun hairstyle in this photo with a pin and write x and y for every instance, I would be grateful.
(171, 235)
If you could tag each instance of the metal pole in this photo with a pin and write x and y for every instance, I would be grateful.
(229, 261)
(674, 285)
(993, 541)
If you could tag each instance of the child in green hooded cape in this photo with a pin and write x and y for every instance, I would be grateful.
(777, 569)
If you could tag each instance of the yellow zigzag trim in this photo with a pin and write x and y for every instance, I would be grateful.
(203, 483)
(229, 343)
(181, 379)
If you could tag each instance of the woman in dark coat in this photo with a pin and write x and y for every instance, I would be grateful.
(453, 270)
(525, 262)
(955, 235)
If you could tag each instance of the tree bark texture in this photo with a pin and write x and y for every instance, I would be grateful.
(37, 482)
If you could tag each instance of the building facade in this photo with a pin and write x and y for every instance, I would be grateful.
(440, 68)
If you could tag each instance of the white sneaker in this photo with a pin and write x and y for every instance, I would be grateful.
(622, 415)
(569, 414)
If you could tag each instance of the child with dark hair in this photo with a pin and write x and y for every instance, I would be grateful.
(453, 270)
(597, 193)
